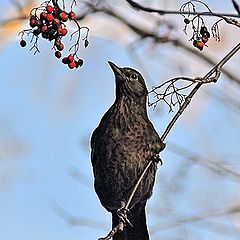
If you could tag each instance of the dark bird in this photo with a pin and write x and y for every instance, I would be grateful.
(122, 145)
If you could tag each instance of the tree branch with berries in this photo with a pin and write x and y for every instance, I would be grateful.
(49, 21)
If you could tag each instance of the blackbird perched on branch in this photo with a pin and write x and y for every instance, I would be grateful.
(122, 145)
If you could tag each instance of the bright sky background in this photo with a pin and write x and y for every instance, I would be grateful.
(48, 113)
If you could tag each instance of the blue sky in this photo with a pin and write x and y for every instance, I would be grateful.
(47, 116)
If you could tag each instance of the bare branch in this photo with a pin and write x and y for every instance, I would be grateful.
(198, 217)
(139, 7)
(214, 166)
(236, 6)
(76, 220)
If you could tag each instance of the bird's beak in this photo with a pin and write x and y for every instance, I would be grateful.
(117, 71)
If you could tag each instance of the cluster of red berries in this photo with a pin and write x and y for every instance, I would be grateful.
(71, 62)
(50, 25)
(200, 42)
(199, 38)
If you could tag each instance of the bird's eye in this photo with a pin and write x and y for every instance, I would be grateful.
(134, 76)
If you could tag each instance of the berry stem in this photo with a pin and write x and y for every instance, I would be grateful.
(77, 44)
(55, 4)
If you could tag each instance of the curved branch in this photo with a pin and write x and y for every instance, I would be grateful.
(138, 7)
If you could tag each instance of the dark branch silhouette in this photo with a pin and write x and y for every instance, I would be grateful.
(139, 7)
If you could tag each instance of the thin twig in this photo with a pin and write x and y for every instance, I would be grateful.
(137, 184)
(172, 95)
(236, 6)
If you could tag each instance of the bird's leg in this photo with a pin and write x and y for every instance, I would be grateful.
(156, 158)
(122, 213)
(123, 221)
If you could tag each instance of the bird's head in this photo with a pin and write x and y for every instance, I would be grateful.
(129, 82)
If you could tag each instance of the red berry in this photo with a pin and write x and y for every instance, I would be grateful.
(58, 54)
(49, 17)
(186, 20)
(32, 22)
(37, 31)
(80, 62)
(44, 28)
(203, 30)
(70, 57)
(56, 22)
(57, 42)
(45, 35)
(76, 62)
(43, 15)
(86, 43)
(23, 43)
(72, 15)
(49, 8)
(204, 39)
(207, 34)
(63, 16)
(72, 65)
(64, 32)
(200, 44)
(38, 22)
(59, 30)
(65, 60)
(60, 47)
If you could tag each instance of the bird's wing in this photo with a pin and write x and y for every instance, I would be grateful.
(92, 143)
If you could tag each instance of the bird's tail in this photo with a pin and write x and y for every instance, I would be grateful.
(137, 218)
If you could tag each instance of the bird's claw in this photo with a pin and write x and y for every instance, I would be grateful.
(156, 158)
(122, 214)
